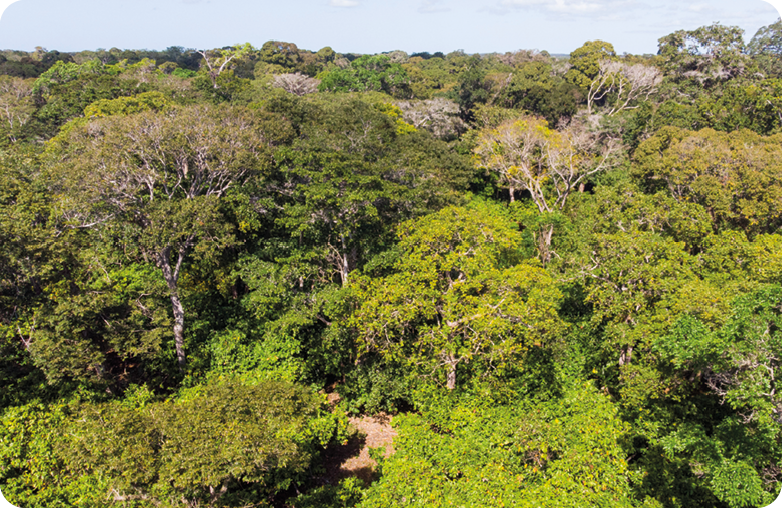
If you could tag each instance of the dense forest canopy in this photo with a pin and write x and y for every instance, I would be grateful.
(562, 277)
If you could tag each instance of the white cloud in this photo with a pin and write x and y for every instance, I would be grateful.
(343, 3)
(430, 6)
(571, 7)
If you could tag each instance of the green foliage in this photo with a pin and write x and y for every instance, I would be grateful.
(368, 73)
(709, 54)
(272, 357)
(732, 175)
(534, 88)
(459, 296)
(394, 112)
(148, 101)
(329, 242)
(184, 73)
(31, 472)
(104, 328)
(561, 452)
(63, 72)
(585, 62)
(228, 442)
(736, 364)
(346, 494)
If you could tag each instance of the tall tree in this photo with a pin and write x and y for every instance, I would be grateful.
(549, 164)
(459, 295)
(161, 176)
(217, 61)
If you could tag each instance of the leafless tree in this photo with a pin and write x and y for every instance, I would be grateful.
(398, 56)
(630, 83)
(439, 116)
(16, 104)
(297, 83)
(547, 163)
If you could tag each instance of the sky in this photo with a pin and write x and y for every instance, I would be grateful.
(368, 26)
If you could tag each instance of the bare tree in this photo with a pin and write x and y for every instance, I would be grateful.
(16, 104)
(439, 116)
(547, 163)
(630, 83)
(297, 83)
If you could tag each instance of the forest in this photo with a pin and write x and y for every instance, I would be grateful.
(558, 277)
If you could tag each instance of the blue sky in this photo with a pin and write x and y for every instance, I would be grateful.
(367, 26)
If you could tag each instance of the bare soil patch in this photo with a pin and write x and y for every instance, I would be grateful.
(352, 459)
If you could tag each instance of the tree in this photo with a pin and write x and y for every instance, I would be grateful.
(738, 364)
(283, 54)
(585, 62)
(148, 101)
(458, 295)
(297, 84)
(472, 87)
(162, 176)
(708, 54)
(766, 49)
(368, 73)
(439, 116)
(16, 105)
(565, 451)
(536, 87)
(549, 164)
(223, 444)
(767, 40)
(629, 83)
(734, 176)
(63, 72)
(217, 60)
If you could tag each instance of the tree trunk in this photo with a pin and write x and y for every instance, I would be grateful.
(451, 380)
(171, 276)
(512, 191)
(344, 268)
(544, 243)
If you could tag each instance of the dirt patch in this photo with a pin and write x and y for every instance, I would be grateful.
(352, 459)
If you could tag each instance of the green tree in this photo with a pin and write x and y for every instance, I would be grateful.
(16, 106)
(734, 176)
(217, 61)
(585, 62)
(162, 176)
(210, 445)
(709, 54)
(561, 452)
(285, 55)
(368, 73)
(458, 295)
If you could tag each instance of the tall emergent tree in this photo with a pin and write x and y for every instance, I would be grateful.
(158, 179)
(549, 164)
(217, 61)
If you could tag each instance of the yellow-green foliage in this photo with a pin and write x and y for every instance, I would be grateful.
(736, 176)
(460, 294)
(147, 101)
(564, 453)
(394, 112)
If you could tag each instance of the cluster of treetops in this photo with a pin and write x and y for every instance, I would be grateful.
(562, 276)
